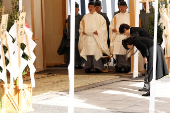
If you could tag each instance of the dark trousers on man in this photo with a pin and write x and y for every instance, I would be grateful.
(78, 60)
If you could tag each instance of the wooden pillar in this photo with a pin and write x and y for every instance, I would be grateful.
(132, 24)
(32, 24)
(43, 39)
(37, 29)
(65, 13)
(167, 59)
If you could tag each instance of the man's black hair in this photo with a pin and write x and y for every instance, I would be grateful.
(97, 3)
(128, 41)
(76, 5)
(91, 2)
(123, 27)
(122, 3)
(124, 43)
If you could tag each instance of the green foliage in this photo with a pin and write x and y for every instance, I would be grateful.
(5, 49)
(14, 14)
(26, 70)
(1, 1)
(1, 69)
(25, 56)
(151, 24)
(166, 3)
(6, 59)
(23, 46)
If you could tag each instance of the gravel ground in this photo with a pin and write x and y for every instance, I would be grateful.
(56, 79)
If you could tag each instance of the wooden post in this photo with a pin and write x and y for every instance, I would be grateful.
(143, 1)
(64, 18)
(20, 34)
(17, 101)
(168, 58)
(64, 11)
(32, 23)
(132, 24)
(43, 40)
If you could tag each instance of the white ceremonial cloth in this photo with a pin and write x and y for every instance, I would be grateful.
(116, 47)
(91, 44)
(167, 33)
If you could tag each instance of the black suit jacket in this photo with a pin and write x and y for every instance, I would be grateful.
(138, 31)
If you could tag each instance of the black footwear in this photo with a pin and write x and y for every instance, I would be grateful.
(78, 67)
(97, 70)
(143, 89)
(118, 70)
(88, 70)
(147, 94)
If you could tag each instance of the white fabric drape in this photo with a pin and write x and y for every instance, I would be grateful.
(116, 47)
(91, 44)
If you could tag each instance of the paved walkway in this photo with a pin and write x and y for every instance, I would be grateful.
(120, 95)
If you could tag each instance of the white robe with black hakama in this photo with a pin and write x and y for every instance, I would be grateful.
(91, 44)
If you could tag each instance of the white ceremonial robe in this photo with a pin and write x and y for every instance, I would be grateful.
(116, 47)
(167, 33)
(91, 44)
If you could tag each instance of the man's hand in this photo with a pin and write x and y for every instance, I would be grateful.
(114, 30)
(145, 59)
(96, 33)
(84, 33)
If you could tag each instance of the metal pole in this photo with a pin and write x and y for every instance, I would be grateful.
(135, 69)
(20, 5)
(152, 84)
(71, 65)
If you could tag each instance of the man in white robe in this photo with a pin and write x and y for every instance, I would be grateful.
(93, 39)
(116, 48)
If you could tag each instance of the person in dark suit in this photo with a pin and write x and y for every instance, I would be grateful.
(134, 31)
(145, 46)
(144, 24)
(78, 18)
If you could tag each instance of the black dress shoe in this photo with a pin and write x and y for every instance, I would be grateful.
(97, 70)
(143, 89)
(78, 67)
(147, 94)
(87, 70)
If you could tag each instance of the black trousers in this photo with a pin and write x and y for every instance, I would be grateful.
(78, 59)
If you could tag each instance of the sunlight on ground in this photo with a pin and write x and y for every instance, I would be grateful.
(128, 94)
(162, 88)
(61, 99)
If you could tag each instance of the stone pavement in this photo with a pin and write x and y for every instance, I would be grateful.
(119, 95)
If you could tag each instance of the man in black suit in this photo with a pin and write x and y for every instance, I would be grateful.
(144, 24)
(66, 32)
